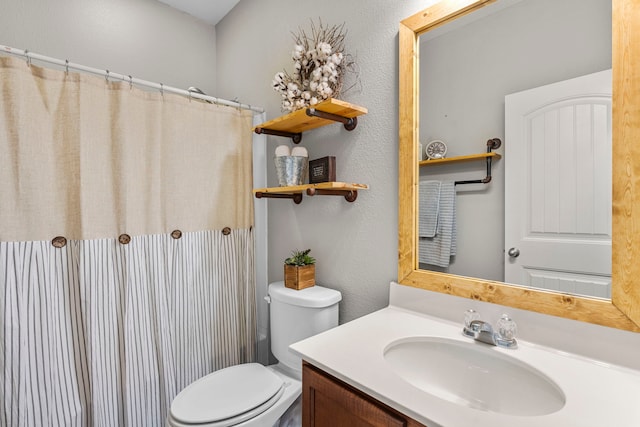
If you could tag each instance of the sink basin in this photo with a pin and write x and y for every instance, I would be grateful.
(474, 375)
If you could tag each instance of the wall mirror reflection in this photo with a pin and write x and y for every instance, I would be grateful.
(537, 75)
(614, 122)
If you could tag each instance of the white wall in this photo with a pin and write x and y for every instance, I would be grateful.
(464, 77)
(355, 244)
(142, 38)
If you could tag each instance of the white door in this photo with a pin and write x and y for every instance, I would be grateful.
(558, 186)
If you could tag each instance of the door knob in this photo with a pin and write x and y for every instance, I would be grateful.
(514, 252)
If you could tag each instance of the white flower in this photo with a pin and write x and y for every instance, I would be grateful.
(324, 49)
(297, 53)
(313, 100)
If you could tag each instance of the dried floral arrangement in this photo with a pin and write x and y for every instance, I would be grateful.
(319, 63)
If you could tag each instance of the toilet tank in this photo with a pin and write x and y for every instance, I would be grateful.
(296, 315)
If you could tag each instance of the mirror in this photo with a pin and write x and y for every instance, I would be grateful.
(623, 309)
(538, 53)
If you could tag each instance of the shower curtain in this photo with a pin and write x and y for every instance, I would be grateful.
(126, 247)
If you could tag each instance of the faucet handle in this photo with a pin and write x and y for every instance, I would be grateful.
(470, 329)
(469, 316)
(506, 331)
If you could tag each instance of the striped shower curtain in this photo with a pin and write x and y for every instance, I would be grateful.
(126, 247)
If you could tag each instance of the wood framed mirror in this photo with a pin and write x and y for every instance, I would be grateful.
(623, 309)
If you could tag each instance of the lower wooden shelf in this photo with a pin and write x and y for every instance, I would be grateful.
(348, 190)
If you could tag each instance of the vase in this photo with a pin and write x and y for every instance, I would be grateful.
(291, 170)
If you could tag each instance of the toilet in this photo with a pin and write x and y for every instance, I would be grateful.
(252, 394)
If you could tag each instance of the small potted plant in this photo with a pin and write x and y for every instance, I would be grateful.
(300, 270)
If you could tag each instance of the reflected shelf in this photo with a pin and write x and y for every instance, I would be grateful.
(458, 159)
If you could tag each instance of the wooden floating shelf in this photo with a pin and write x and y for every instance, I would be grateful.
(326, 112)
(348, 190)
(458, 159)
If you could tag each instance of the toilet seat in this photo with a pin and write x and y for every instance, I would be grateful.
(228, 396)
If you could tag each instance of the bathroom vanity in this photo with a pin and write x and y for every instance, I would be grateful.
(328, 401)
(401, 366)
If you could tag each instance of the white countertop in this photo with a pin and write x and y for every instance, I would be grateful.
(597, 394)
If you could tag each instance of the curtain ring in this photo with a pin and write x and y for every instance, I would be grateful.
(66, 66)
(162, 90)
(226, 231)
(130, 82)
(106, 76)
(176, 234)
(124, 239)
(59, 242)
(27, 57)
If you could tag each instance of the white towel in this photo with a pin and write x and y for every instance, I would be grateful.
(437, 250)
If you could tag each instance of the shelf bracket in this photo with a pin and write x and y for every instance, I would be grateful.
(349, 195)
(349, 123)
(296, 197)
(295, 137)
(492, 144)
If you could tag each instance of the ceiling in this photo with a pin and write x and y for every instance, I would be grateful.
(210, 11)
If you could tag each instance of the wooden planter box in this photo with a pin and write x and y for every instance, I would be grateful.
(299, 277)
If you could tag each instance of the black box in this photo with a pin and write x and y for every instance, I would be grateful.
(322, 170)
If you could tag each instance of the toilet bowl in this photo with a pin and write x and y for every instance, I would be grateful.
(252, 394)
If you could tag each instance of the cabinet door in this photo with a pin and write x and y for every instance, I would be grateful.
(328, 402)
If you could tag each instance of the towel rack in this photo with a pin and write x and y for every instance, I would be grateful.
(492, 144)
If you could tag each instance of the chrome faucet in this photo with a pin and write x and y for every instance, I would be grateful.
(482, 331)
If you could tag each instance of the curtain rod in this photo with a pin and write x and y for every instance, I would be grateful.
(131, 80)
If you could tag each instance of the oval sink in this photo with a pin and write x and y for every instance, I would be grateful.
(474, 375)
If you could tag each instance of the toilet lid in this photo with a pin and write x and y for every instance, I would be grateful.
(227, 393)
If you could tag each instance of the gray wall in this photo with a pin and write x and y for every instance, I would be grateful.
(465, 75)
(355, 243)
(142, 38)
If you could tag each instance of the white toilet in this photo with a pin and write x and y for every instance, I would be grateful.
(251, 394)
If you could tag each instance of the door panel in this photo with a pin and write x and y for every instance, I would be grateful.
(558, 186)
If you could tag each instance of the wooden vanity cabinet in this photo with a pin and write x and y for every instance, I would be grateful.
(330, 402)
